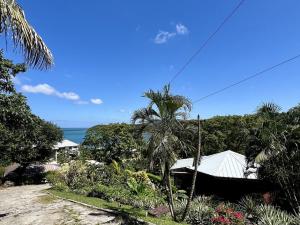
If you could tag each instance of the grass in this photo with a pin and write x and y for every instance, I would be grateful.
(139, 213)
(46, 199)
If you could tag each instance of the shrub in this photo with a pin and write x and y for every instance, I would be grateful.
(227, 215)
(249, 206)
(125, 196)
(269, 215)
(136, 187)
(200, 213)
(56, 179)
(180, 195)
(157, 180)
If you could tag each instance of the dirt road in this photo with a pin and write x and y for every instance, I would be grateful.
(28, 205)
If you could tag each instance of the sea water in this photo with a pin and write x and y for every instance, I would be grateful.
(74, 134)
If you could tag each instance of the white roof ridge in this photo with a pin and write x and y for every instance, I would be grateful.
(223, 164)
(223, 161)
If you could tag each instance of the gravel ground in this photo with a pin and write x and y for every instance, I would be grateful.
(24, 205)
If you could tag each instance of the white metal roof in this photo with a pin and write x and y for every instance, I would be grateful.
(65, 143)
(225, 164)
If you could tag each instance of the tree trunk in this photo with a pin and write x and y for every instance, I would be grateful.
(170, 192)
(196, 163)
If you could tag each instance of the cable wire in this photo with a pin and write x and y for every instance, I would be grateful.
(207, 40)
(248, 78)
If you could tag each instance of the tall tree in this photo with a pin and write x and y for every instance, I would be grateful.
(274, 144)
(267, 138)
(110, 142)
(13, 23)
(25, 138)
(161, 119)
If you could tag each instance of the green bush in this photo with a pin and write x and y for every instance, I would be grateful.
(249, 206)
(125, 196)
(270, 215)
(110, 183)
(56, 179)
(201, 210)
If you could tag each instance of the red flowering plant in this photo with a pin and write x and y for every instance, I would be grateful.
(226, 215)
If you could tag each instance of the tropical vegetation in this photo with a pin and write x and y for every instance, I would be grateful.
(106, 143)
(161, 119)
(25, 138)
(14, 25)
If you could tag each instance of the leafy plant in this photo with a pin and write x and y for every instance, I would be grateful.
(135, 187)
(269, 215)
(116, 167)
(227, 215)
(200, 213)
(248, 205)
(56, 179)
(180, 195)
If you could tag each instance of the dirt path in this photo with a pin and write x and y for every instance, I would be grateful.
(26, 205)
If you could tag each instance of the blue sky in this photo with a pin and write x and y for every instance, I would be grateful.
(112, 51)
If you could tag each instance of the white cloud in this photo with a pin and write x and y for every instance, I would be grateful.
(68, 95)
(96, 101)
(46, 89)
(40, 88)
(122, 110)
(181, 29)
(163, 37)
(81, 102)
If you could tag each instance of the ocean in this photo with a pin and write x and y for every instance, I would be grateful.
(74, 134)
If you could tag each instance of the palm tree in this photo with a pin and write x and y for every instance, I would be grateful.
(162, 121)
(14, 23)
(266, 140)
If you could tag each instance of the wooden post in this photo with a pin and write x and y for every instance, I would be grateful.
(196, 164)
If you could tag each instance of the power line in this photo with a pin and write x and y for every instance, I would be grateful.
(207, 40)
(248, 78)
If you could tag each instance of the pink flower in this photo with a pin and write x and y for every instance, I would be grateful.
(221, 219)
(238, 215)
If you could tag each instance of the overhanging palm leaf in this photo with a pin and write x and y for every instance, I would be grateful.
(13, 21)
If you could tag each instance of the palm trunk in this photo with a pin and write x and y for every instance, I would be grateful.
(196, 163)
(170, 192)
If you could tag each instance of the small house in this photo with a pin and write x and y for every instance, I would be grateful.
(223, 174)
(66, 146)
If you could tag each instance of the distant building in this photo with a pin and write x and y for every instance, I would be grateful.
(223, 174)
(66, 146)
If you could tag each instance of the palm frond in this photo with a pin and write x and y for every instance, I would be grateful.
(144, 115)
(269, 108)
(13, 21)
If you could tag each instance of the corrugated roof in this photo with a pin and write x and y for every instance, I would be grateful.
(225, 164)
(65, 143)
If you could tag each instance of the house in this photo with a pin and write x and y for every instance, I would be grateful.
(223, 174)
(67, 146)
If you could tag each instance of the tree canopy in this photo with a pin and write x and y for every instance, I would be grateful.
(110, 142)
(274, 145)
(25, 137)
